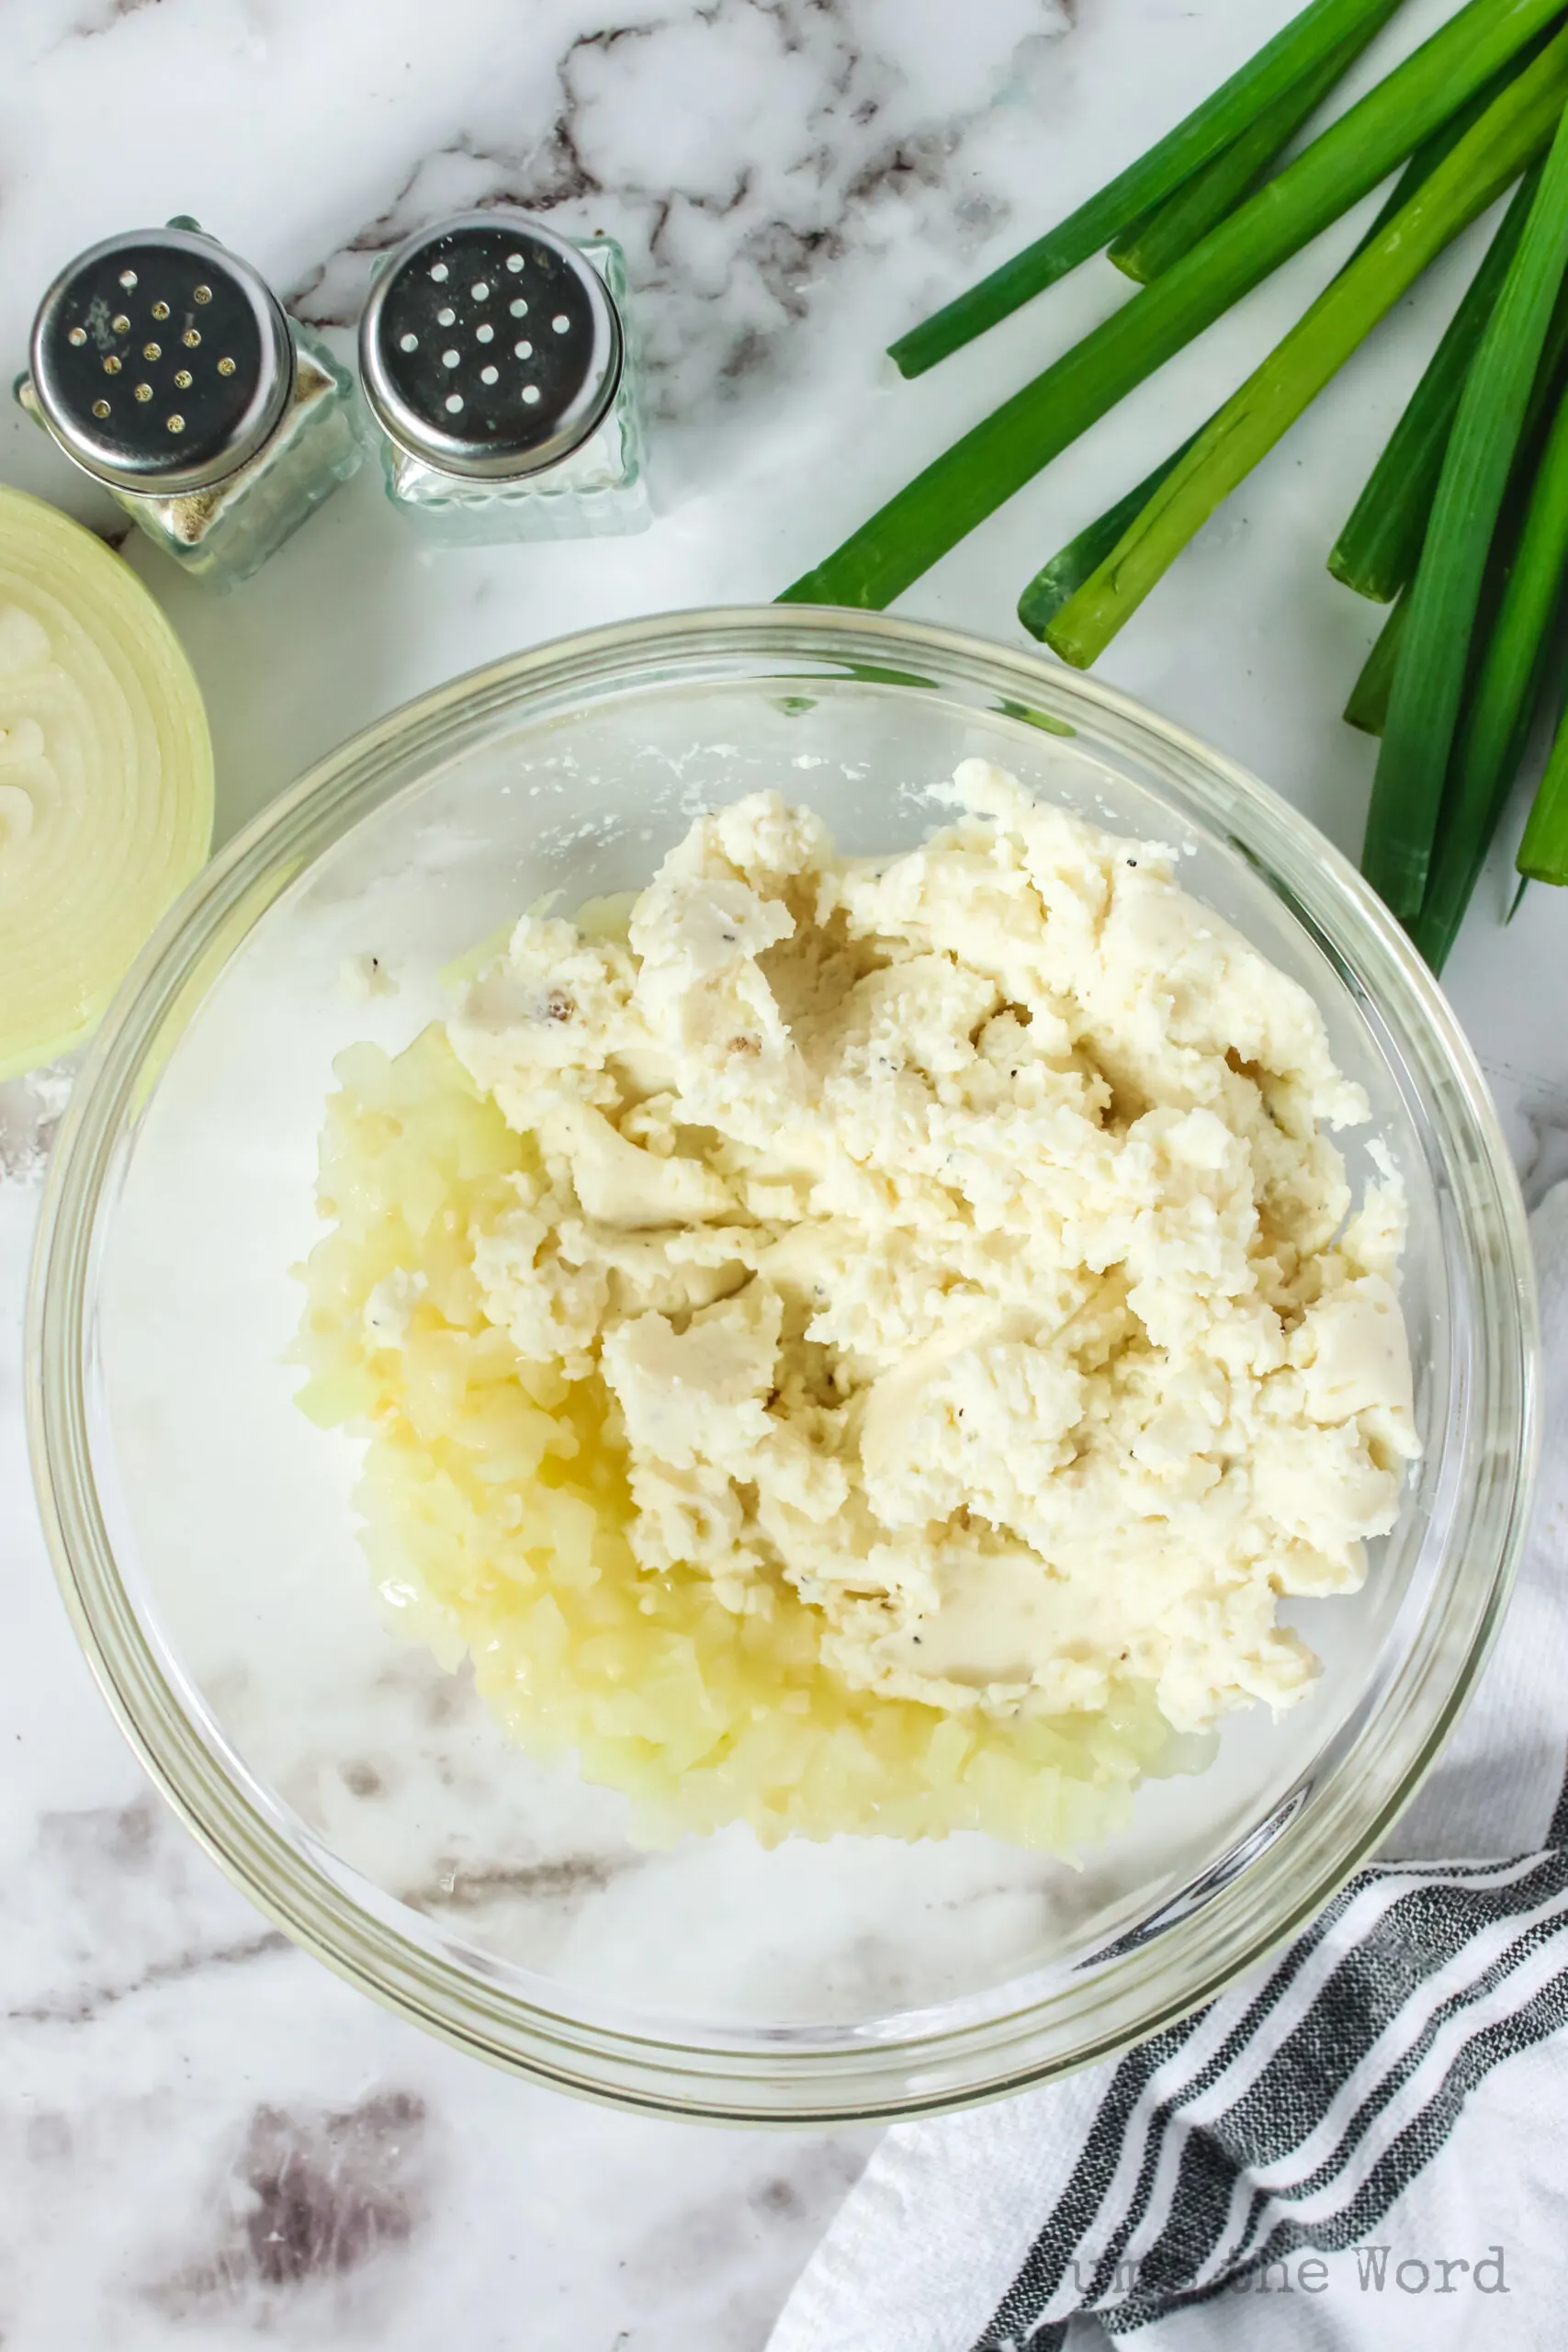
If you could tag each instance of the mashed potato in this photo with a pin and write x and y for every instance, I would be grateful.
(865, 1344)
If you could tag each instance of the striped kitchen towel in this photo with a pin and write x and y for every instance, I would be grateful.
(1364, 2145)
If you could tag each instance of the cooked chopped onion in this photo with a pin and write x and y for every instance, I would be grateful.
(105, 777)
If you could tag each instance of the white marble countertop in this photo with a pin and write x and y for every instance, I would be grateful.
(205, 2138)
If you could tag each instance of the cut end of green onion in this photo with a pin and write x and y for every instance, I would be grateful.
(1368, 705)
(1130, 262)
(1037, 606)
(1078, 650)
(105, 777)
(1543, 852)
(1056, 583)
(1353, 576)
(910, 357)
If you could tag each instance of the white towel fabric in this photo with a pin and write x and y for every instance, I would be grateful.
(1362, 2147)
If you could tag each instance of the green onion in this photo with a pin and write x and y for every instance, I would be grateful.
(1066, 571)
(1543, 852)
(1492, 739)
(1148, 246)
(1446, 136)
(1377, 552)
(1368, 705)
(981, 472)
(1049, 589)
(1424, 705)
(1518, 123)
(1276, 69)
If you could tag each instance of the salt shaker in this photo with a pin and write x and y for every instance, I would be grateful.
(166, 368)
(495, 359)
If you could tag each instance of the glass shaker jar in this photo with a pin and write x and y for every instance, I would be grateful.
(495, 359)
(166, 368)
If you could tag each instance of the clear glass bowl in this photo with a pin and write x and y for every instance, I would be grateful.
(202, 1528)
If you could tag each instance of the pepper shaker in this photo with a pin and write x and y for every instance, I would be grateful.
(495, 359)
(165, 367)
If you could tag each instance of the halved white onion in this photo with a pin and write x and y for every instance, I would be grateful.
(105, 777)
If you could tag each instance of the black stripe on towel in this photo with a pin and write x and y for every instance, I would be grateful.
(1407, 2155)
(1074, 2216)
(1358, 2133)
(1425, 1929)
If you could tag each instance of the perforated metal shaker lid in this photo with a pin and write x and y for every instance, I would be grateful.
(160, 362)
(489, 347)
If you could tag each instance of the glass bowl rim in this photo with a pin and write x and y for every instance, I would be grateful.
(1138, 1991)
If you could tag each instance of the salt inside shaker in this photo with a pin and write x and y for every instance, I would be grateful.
(495, 359)
(166, 368)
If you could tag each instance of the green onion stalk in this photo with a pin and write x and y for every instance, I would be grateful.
(1543, 852)
(1377, 552)
(1493, 739)
(1066, 571)
(1298, 51)
(1520, 122)
(981, 472)
(1158, 238)
(1429, 679)
(1368, 705)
